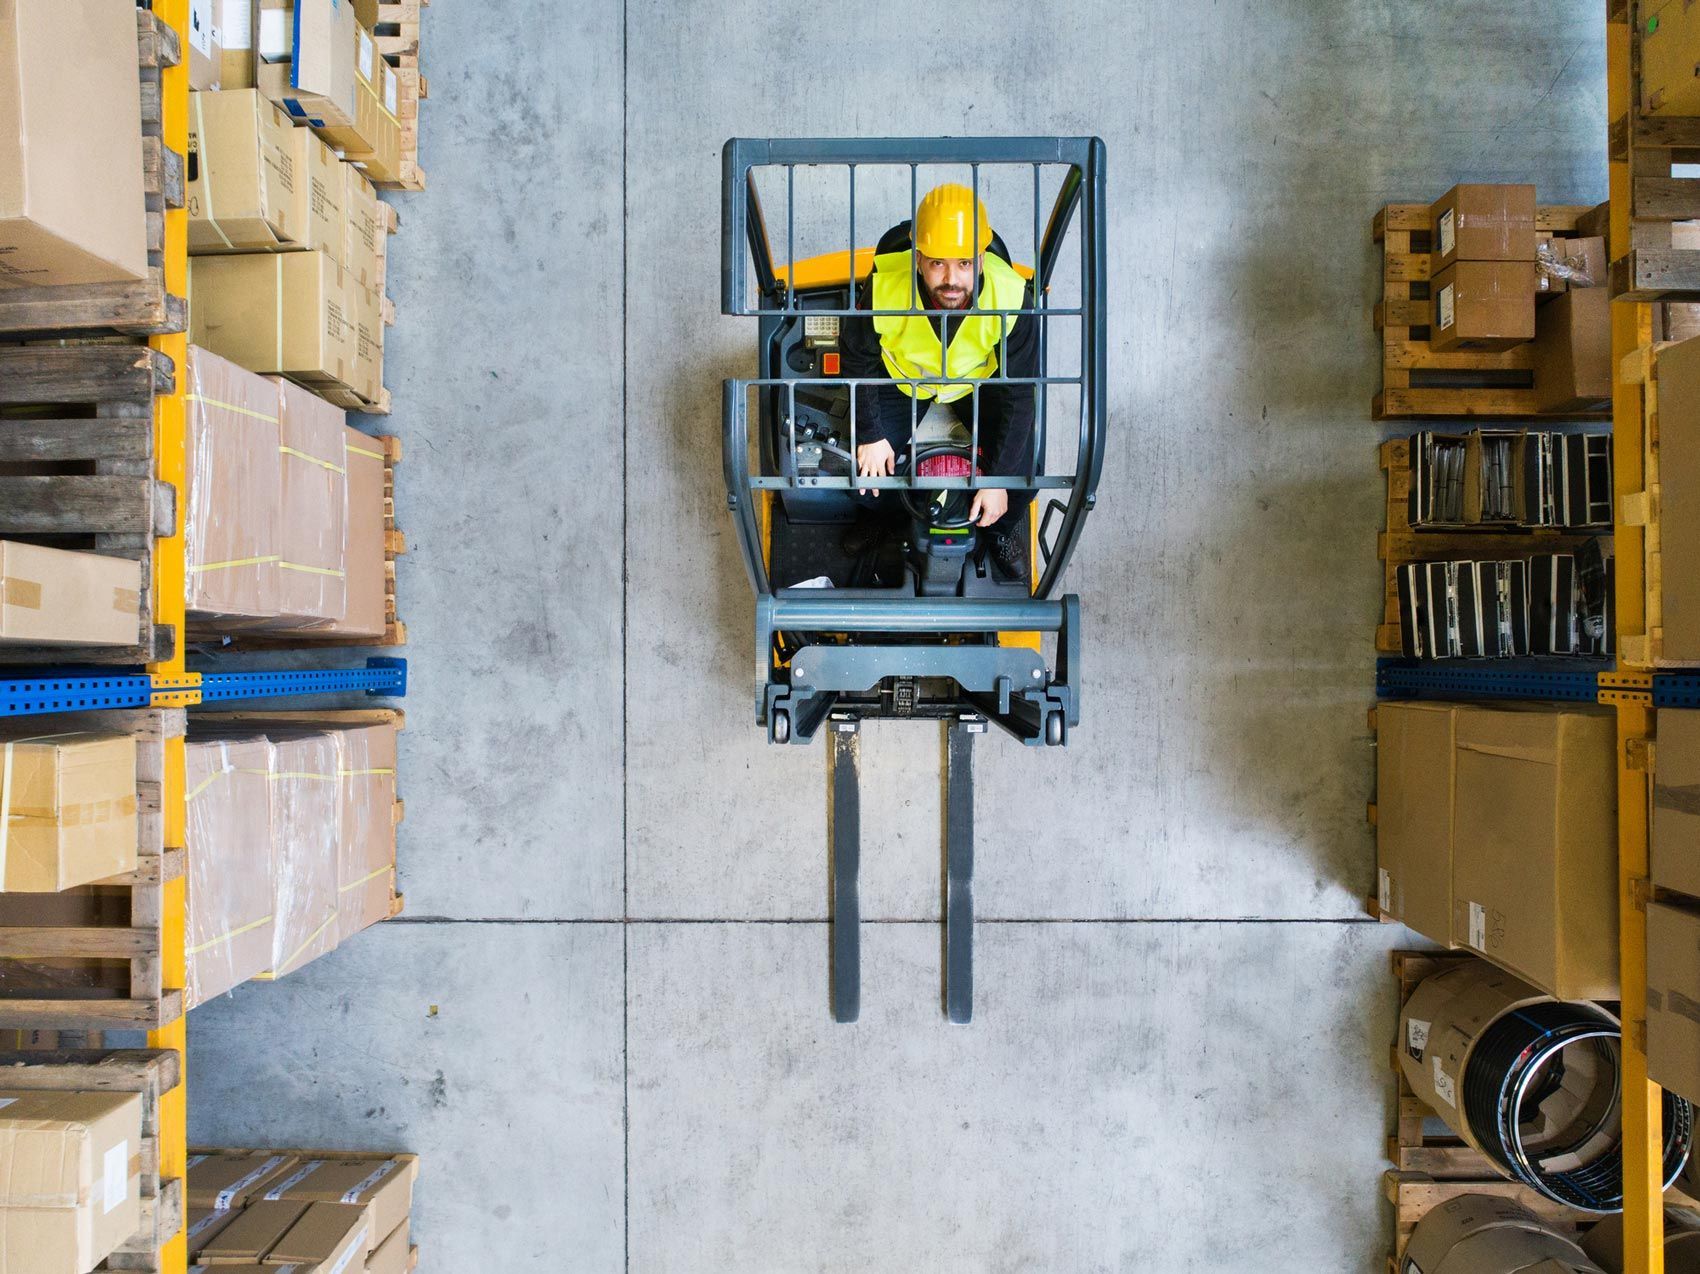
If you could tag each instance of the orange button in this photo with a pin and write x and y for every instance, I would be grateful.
(829, 363)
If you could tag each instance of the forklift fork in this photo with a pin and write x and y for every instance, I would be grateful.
(844, 831)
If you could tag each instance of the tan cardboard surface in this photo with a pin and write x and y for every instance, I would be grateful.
(278, 313)
(233, 524)
(306, 819)
(1534, 866)
(68, 802)
(1676, 801)
(363, 256)
(1673, 998)
(365, 611)
(338, 1235)
(71, 203)
(231, 897)
(72, 1181)
(1679, 500)
(313, 587)
(223, 1181)
(202, 1225)
(52, 597)
(1482, 223)
(1604, 1243)
(254, 1232)
(325, 185)
(1414, 789)
(1482, 305)
(382, 1183)
(366, 841)
(391, 1256)
(204, 51)
(247, 189)
(317, 84)
(364, 307)
(1573, 351)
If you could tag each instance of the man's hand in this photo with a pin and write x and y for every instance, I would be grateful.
(875, 460)
(989, 505)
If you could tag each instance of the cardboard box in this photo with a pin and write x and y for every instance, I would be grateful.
(1670, 58)
(365, 614)
(224, 1180)
(202, 1225)
(1482, 223)
(233, 526)
(1562, 264)
(313, 587)
(279, 313)
(325, 185)
(366, 249)
(380, 1183)
(206, 54)
(1482, 305)
(1679, 502)
(232, 873)
(257, 1229)
(1534, 855)
(71, 203)
(1413, 803)
(366, 770)
(70, 1177)
(366, 310)
(373, 136)
(1488, 1234)
(1675, 846)
(1673, 998)
(315, 81)
(68, 801)
(60, 597)
(305, 825)
(1573, 368)
(237, 21)
(328, 1237)
(1604, 1243)
(390, 1257)
(246, 190)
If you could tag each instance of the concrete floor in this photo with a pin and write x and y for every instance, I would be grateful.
(603, 1022)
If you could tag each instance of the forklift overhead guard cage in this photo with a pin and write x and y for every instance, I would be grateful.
(988, 674)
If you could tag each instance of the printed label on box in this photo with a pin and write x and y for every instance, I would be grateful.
(1443, 1086)
(389, 91)
(1447, 235)
(234, 24)
(365, 57)
(117, 1175)
(1384, 889)
(1478, 926)
(1416, 1038)
(1446, 306)
(201, 26)
(277, 41)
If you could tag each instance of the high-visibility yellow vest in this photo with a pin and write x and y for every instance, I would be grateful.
(911, 348)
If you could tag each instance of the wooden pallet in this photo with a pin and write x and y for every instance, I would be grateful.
(1641, 509)
(1400, 545)
(141, 308)
(91, 959)
(1432, 1165)
(397, 36)
(395, 544)
(77, 470)
(147, 1072)
(1417, 381)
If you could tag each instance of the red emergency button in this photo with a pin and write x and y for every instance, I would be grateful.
(829, 363)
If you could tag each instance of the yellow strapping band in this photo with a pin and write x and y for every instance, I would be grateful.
(241, 411)
(310, 570)
(389, 771)
(270, 975)
(231, 936)
(361, 451)
(342, 889)
(300, 774)
(302, 455)
(240, 561)
(207, 782)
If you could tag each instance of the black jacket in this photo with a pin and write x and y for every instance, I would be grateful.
(1006, 412)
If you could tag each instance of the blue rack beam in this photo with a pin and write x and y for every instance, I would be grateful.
(67, 690)
(381, 676)
(1513, 679)
(1676, 690)
(31, 696)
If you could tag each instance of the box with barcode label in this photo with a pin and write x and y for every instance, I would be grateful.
(384, 1184)
(70, 1178)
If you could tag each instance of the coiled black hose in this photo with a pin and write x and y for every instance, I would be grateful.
(1518, 1061)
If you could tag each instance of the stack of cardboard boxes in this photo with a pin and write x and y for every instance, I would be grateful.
(287, 238)
(338, 1212)
(1489, 267)
(285, 522)
(70, 1178)
(291, 839)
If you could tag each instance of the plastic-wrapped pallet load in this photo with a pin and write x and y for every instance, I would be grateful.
(365, 615)
(231, 891)
(1604, 1243)
(1481, 1234)
(306, 823)
(67, 809)
(366, 849)
(314, 498)
(233, 527)
(70, 1178)
(60, 597)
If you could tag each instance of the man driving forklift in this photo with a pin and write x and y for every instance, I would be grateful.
(953, 244)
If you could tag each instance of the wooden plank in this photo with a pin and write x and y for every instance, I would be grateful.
(91, 1015)
(162, 1217)
(40, 374)
(105, 1070)
(92, 943)
(135, 309)
(31, 440)
(76, 504)
(1667, 198)
(1414, 354)
(156, 41)
(1654, 274)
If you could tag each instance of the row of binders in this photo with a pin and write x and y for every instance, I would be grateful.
(1511, 477)
(1549, 604)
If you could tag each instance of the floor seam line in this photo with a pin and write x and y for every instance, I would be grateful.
(625, 656)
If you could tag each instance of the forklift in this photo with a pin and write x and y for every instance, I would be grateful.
(919, 626)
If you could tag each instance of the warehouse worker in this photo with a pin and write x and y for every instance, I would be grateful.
(953, 244)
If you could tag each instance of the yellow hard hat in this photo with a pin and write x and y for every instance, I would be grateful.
(948, 225)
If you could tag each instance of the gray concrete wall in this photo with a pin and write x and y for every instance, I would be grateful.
(630, 1064)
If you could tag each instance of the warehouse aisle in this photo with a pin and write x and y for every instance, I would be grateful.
(603, 1020)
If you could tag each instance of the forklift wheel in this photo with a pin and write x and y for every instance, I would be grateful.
(1054, 729)
(782, 727)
